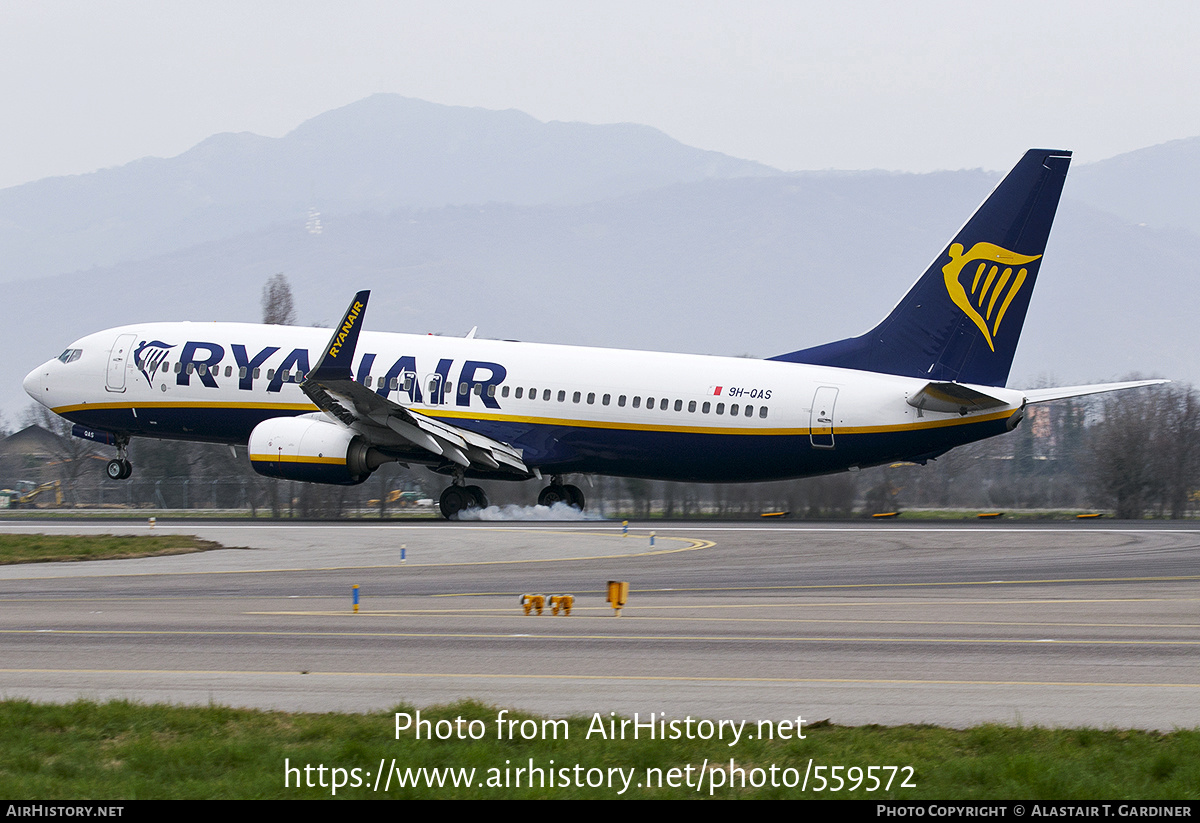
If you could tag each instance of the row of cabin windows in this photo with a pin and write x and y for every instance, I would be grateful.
(202, 369)
(477, 390)
(664, 403)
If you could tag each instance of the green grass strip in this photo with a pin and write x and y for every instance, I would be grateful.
(119, 750)
(45, 548)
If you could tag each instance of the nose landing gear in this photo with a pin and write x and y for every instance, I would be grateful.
(120, 468)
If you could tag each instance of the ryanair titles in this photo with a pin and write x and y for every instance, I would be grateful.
(347, 327)
(406, 379)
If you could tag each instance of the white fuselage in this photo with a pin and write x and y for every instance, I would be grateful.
(568, 408)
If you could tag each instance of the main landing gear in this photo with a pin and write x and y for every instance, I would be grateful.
(459, 498)
(120, 468)
(557, 492)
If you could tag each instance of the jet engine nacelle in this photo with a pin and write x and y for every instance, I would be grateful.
(314, 450)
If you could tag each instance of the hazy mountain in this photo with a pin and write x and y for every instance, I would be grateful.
(378, 154)
(1158, 186)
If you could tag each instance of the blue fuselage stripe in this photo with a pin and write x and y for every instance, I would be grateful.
(555, 448)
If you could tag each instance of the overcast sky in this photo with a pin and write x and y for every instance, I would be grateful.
(899, 85)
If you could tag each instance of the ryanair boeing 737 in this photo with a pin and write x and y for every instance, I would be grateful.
(325, 409)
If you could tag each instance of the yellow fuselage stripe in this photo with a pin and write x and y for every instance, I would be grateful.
(569, 422)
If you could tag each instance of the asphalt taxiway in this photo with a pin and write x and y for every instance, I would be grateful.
(1065, 624)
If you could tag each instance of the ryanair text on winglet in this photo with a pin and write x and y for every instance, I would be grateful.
(347, 327)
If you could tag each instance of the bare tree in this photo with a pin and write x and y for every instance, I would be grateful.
(1145, 452)
(277, 304)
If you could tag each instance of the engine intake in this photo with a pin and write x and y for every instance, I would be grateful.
(312, 450)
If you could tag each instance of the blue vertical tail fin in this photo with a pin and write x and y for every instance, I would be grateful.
(962, 319)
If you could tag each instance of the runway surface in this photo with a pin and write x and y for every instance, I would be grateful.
(889, 623)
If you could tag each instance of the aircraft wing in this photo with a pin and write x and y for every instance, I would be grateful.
(334, 391)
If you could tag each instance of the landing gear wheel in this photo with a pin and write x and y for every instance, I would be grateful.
(478, 498)
(118, 469)
(561, 493)
(574, 496)
(454, 500)
(554, 494)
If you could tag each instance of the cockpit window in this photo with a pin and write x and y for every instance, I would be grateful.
(70, 355)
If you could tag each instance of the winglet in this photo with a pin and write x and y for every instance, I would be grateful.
(336, 358)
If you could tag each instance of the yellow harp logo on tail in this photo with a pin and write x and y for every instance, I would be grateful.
(993, 283)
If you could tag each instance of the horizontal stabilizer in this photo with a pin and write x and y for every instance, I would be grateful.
(1063, 392)
(953, 397)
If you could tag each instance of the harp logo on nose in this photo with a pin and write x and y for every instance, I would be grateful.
(994, 283)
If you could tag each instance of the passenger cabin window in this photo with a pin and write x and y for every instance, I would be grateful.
(637, 401)
(228, 371)
(462, 389)
(749, 411)
(691, 405)
(762, 411)
(733, 409)
(604, 400)
(678, 405)
(504, 392)
(492, 390)
(519, 392)
(545, 394)
(720, 408)
(257, 372)
(576, 397)
(704, 409)
(562, 395)
(591, 398)
(621, 401)
(242, 372)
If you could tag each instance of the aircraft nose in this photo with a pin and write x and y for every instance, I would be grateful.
(34, 383)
